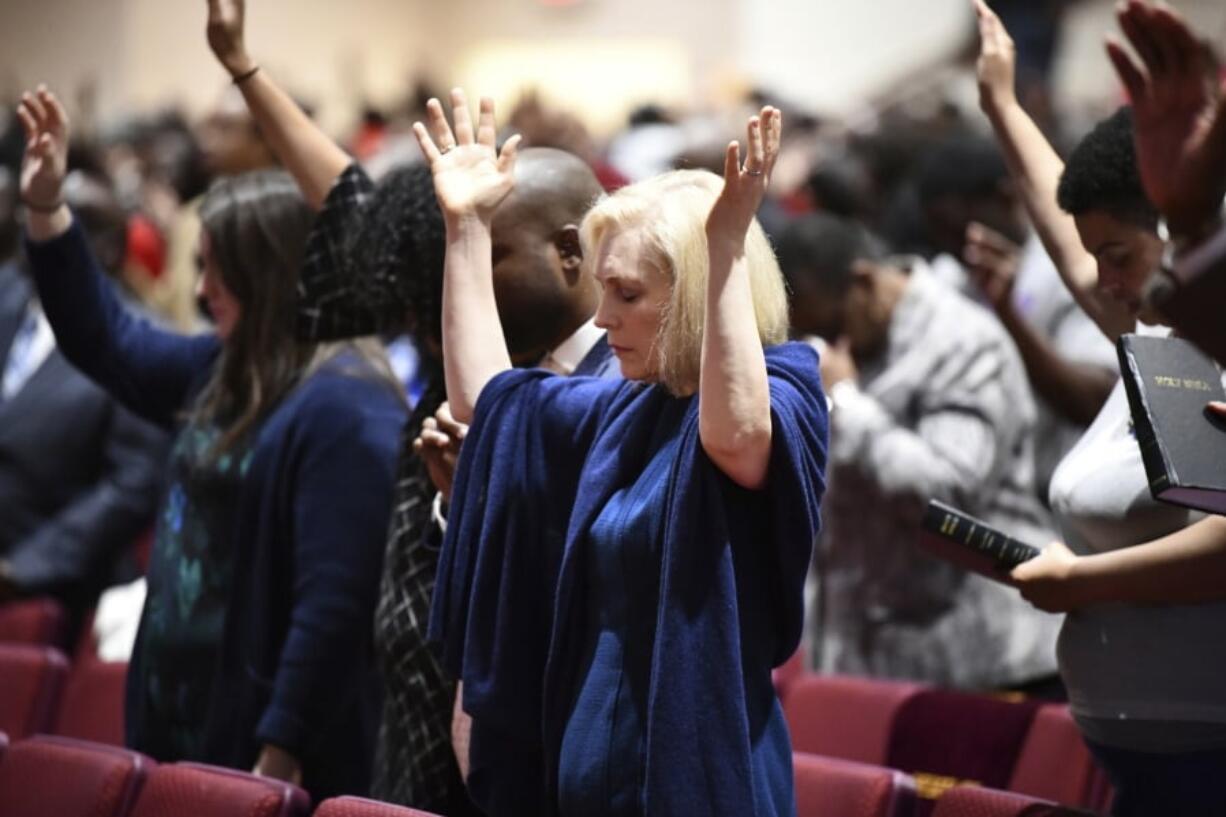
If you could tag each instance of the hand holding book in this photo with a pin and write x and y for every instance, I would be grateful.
(971, 543)
(1048, 581)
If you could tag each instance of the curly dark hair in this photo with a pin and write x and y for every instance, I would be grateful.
(399, 246)
(1101, 174)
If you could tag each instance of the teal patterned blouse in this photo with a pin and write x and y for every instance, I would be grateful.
(189, 584)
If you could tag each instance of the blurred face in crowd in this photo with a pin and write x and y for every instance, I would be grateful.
(947, 217)
(861, 314)
(222, 306)
(538, 278)
(634, 292)
(229, 140)
(1127, 255)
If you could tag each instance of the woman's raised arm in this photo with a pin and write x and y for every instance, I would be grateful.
(471, 177)
(308, 154)
(734, 416)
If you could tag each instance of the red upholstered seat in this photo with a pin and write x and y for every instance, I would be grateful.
(828, 787)
(209, 791)
(972, 801)
(33, 621)
(92, 706)
(46, 776)
(361, 807)
(1056, 765)
(31, 680)
(841, 716)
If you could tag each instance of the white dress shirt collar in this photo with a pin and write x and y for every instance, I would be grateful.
(568, 354)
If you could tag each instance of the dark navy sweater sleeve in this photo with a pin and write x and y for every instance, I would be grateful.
(151, 371)
(343, 460)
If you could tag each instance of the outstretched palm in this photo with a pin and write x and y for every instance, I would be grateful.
(46, 155)
(745, 186)
(1179, 115)
(470, 176)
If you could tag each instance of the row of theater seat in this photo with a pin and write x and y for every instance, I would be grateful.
(851, 735)
(39, 692)
(942, 738)
(829, 787)
(46, 776)
(43, 689)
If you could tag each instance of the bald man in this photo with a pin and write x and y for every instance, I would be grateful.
(545, 302)
(374, 265)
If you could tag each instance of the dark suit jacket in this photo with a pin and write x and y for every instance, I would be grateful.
(79, 476)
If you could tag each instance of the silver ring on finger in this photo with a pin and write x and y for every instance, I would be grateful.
(749, 172)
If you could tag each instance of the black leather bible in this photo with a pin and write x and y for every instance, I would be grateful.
(970, 543)
(1169, 382)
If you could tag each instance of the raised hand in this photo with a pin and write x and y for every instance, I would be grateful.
(992, 261)
(226, 26)
(745, 186)
(470, 176)
(997, 63)
(46, 156)
(1179, 114)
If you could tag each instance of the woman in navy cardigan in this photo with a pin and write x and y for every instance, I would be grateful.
(614, 602)
(255, 647)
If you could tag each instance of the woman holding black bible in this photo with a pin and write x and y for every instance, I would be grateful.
(1145, 682)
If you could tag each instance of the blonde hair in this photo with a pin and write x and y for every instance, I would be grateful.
(672, 210)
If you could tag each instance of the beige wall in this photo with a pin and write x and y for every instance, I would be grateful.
(144, 53)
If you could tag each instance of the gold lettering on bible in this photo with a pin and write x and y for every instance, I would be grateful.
(1182, 383)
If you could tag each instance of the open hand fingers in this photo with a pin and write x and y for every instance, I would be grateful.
(28, 123)
(459, 113)
(487, 131)
(510, 149)
(754, 157)
(37, 106)
(440, 131)
(986, 19)
(772, 137)
(57, 118)
(1135, 21)
(1170, 35)
(732, 161)
(1129, 73)
(428, 148)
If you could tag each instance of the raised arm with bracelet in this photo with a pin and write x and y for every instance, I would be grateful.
(312, 158)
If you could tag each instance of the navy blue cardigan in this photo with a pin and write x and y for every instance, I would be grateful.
(733, 565)
(297, 667)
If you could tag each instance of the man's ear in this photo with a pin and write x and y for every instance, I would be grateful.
(570, 248)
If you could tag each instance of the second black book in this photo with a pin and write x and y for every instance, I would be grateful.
(1169, 382)
(971, 543)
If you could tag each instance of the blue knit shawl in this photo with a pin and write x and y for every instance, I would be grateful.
(542, 457)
